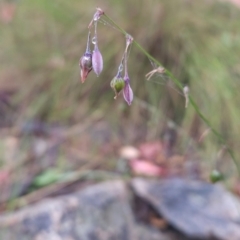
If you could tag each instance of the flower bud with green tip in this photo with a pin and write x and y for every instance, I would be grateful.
(117, 84)
(216, 176)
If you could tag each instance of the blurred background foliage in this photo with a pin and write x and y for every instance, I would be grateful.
(198, 41)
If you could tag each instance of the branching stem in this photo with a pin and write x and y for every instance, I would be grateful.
(179, 84)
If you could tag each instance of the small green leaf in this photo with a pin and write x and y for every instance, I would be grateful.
(47, 177)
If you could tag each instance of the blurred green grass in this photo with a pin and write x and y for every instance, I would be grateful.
(197, 40)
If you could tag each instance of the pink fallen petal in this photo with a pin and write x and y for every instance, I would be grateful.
(146, 168)
(151, 150)
(7, 12)
(4, 177)
(236, 2)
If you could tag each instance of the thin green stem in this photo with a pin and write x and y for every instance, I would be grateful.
(179, 84)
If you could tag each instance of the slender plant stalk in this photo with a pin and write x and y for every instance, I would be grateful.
(179, 84)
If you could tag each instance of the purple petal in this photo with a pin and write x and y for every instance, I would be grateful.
(128, 93)
(97, 61)
(84, 73)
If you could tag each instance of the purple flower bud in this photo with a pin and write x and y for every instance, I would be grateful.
(127, 91)
(117, 84)
(97, 60)
(85, 65)
(85, 62)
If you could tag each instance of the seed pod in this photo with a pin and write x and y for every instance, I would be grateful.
(117, 84)
(85, 65)
(127, 91)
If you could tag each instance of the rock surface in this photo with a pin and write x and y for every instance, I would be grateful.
(104, 212)
(99, 212)
(197, 209)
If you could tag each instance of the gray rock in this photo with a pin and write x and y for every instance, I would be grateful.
(104, 212)
(197, 209)
(99, 212)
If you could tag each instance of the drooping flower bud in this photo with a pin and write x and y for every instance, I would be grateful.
(117, 84)
(97, 60)
(127, 91)
(86, 65)
(85, 62)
